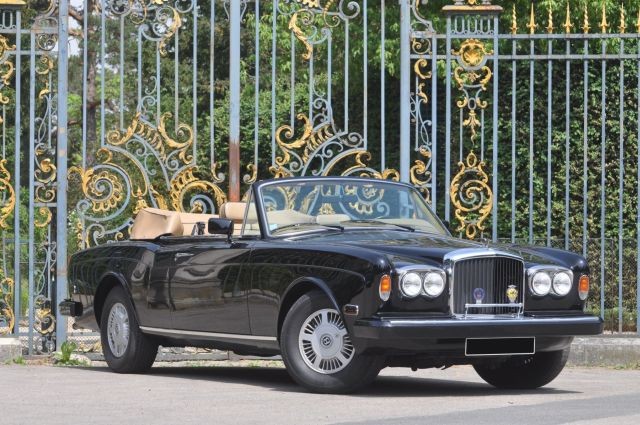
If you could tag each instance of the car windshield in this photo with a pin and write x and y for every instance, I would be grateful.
(292, 206)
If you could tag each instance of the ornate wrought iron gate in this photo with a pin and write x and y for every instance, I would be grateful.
(181, 104)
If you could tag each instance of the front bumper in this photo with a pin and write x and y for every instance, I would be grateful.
(388, 331)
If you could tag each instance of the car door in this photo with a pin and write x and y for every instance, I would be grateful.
(207, 286)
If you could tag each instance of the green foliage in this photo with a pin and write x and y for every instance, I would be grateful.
(64, 357)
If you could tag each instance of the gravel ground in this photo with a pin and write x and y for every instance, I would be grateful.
(250, 392)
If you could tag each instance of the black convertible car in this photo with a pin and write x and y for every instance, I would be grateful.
(340, 276)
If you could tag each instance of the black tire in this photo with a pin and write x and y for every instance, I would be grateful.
(141, 350)
(360, 371)
(524, 372)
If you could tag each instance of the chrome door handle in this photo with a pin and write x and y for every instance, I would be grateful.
(183, 255)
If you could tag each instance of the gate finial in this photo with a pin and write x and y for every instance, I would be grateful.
(604, 25)
(567, 23)
(585, 23)
(514, 20)
(532, 21)
(623, 20)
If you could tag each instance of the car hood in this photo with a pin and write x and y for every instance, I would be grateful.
(412, 247)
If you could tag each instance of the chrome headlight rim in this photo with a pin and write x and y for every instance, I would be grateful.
(442, 285)
(554, 283)
(422, 272)
(551, 272)
(418, 281)
(532, 283)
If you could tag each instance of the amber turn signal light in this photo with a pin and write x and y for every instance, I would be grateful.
(385, 287)
(583, 287)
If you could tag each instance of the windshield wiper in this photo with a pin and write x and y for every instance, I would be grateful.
(369, 221)
(297, 225)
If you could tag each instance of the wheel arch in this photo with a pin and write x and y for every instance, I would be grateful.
(107, 283)
(298, 288)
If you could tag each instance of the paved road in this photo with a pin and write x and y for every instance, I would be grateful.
(250, 395)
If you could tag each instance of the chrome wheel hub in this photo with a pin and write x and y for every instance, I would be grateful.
(118, 331)
(324, 343)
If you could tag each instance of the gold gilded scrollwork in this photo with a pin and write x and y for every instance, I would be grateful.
(470, 193)
(472, 76)
(44, 320)
(6, 208)
(419, 173)
(158, 138)
(186, 181)
(471, 196)
(101, 187)
(6, 68)
(298, 153)
(7, 317)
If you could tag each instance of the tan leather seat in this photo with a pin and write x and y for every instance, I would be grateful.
(153, 222)
(189, 220)
(235, 212)
(331, 219)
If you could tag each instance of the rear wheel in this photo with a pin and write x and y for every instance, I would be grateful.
(318, 352)
(126, 349)
(524, 372)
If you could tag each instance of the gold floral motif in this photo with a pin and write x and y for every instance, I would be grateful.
(43, 68)
(44, 321)
(471, 196)
(158, 138)
(176, 23)
(101, 187)
(141, 203)
(7, 317)
(472, 52)
(6, 68)
(310, 139)
(472, 76)
(419, 173)
(300, 35)
(9, 194)
(253, 174)
(45, 215)
(186, 181)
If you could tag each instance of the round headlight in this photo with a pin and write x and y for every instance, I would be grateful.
(562, 284)
(411, 285)
(541, 283)
(433, 284)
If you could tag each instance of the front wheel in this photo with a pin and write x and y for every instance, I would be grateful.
(126, 349)
(318, 352)
(524, 372)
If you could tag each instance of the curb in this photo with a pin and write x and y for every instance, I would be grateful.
(620, 351)
(10, 349)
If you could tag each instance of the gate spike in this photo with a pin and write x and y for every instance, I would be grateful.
(514, 20)
(567, 23)
(550, 27)
(585, 24)
(532, 21)
(604, 25)
(623, 20)
(638, 22)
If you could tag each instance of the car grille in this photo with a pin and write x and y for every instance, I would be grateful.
(490, 276)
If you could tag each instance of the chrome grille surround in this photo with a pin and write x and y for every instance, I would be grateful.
(496, 270)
